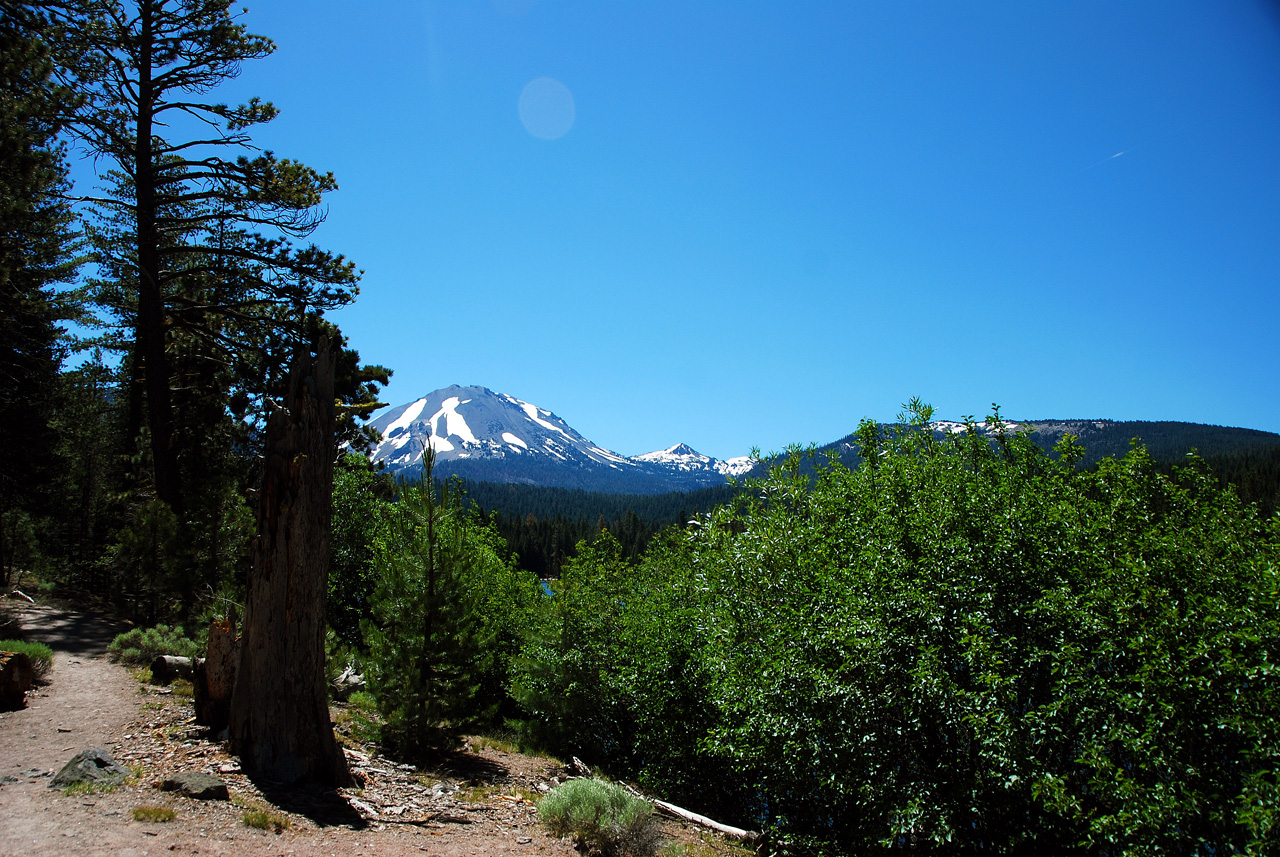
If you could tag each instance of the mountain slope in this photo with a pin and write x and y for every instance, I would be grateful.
(486, 436)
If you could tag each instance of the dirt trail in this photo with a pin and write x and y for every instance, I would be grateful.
(466, 807)
(84, 706)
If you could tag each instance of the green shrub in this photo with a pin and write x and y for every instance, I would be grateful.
(141, 646)
(601, 815)
(968, 644)
(41, 655)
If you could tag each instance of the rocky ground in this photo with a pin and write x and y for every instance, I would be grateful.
(478, 801)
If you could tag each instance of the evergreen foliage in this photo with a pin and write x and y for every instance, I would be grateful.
(140, 646)
(37, 254)
(434, 660)
(200, 289)
(193, 238)
(360, 511)
(543, 526)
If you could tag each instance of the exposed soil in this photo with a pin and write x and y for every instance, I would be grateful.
(474, 802)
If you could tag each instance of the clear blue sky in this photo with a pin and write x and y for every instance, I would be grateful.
(768, 220)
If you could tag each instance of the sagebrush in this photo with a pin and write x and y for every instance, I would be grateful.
(600, 815)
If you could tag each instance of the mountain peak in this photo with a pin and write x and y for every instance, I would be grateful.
(488, 436)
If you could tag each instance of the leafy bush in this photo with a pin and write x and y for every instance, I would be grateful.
(600, 815)
(141, 646)
(970, 644)
(966, 644)
(41, 655)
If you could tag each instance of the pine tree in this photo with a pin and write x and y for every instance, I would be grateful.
(36, 254)
(195, 235)
(425, 641)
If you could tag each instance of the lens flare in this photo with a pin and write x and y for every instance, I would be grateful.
(546, 108)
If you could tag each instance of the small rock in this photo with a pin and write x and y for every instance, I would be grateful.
(524, 840)
(93, 766)
(197, 785)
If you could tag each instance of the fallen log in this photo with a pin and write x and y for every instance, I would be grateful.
(166, 668)
(747, 836)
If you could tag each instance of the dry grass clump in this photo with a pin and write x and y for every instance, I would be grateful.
(154, 814)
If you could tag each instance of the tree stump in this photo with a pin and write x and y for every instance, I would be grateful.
(279, 724)
(215, 677)
(16, 676)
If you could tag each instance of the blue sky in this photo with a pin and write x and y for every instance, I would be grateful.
(768, 220)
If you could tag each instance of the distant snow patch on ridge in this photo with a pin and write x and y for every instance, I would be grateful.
(953, 427)
(513, 440)
(736, 466)
(454, 424)
(947, 426)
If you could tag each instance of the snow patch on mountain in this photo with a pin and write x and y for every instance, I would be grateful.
(737, 466)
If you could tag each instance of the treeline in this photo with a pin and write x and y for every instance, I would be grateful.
(133, 447)
(1253, 473)
(542, 527)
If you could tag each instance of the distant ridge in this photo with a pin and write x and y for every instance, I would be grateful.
(485, 436)
(1165, 440)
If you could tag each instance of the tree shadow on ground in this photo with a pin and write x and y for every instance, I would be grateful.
(465, 767)
(321, 805)
(84, 635)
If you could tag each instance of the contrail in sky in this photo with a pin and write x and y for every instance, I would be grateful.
(1108, 158)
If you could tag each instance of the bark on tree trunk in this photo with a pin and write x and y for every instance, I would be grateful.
(150, 322)
(279, 709)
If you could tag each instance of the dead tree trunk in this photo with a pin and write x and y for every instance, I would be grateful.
(215, 676)
(279, 709)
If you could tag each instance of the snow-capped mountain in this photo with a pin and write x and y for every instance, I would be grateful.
(479, 434)
(684, 458)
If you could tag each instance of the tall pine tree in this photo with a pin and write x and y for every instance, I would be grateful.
(36, 254)
(196, 233)
(425, 640)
